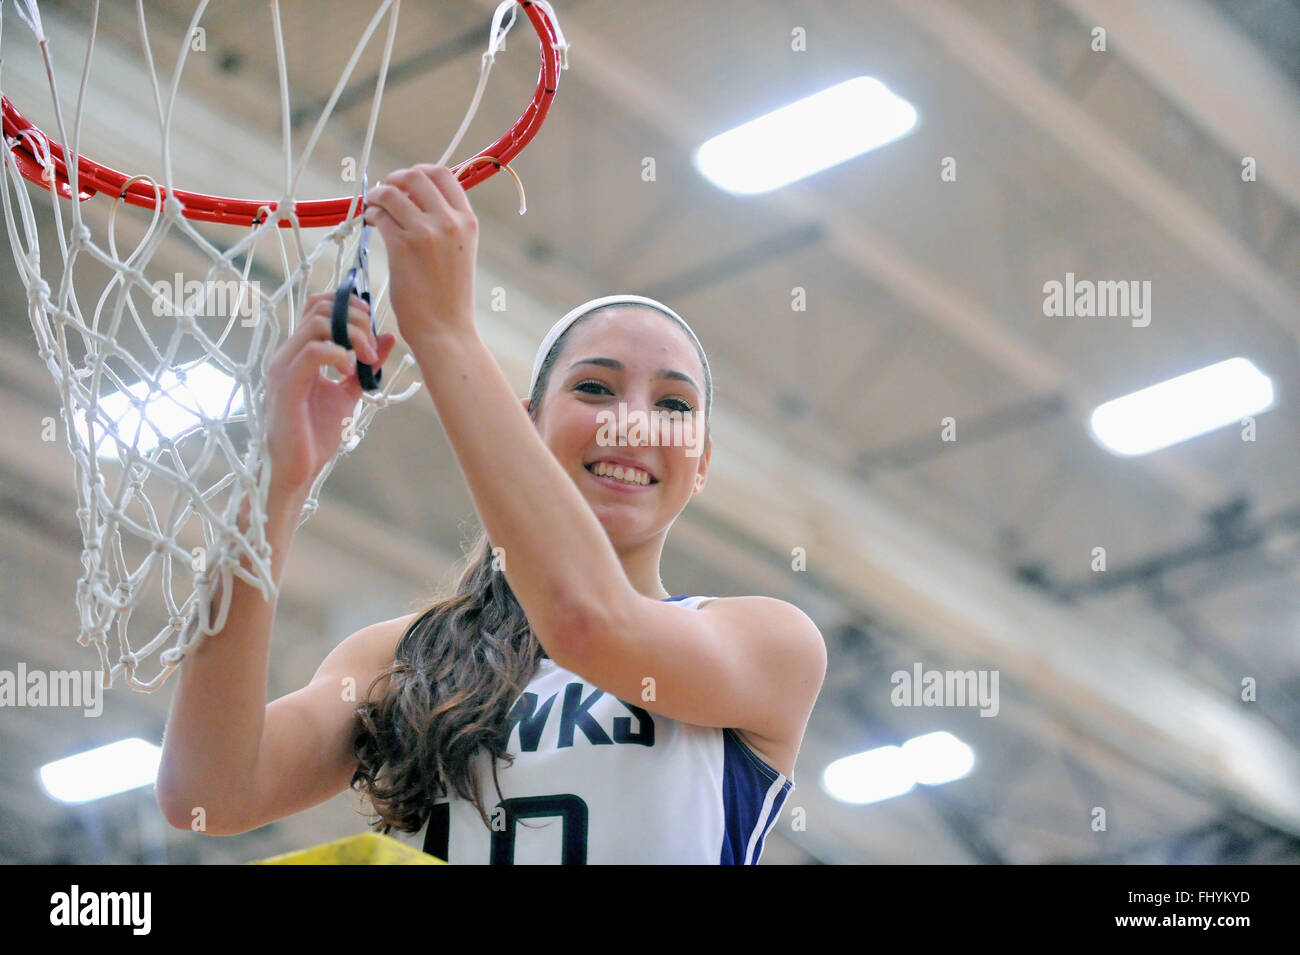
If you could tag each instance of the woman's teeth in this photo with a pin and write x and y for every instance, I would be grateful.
(620, 473)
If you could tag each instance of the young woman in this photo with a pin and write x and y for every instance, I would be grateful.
(561, 706)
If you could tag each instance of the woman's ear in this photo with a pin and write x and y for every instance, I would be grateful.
(702, 474)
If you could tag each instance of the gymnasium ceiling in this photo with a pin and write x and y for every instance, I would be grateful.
(924, 301)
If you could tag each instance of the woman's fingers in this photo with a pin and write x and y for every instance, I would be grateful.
(379, 219)
(322, 353)
(302, 332)
(321, 303)
(318, 323)
(423, 189)
(386, 343)
(360, 336)
(394, 201)
(449, 187)
(315, 356)
(417, 185)
(351, 382)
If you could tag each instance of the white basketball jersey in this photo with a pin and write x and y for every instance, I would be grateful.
(597, 780)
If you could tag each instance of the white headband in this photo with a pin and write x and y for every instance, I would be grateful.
(559, 327)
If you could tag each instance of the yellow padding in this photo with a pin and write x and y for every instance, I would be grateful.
(369, 848)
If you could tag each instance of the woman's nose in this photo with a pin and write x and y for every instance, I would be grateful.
(635, 425)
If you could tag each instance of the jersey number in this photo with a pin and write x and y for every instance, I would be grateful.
(571, 810)
(573, 834)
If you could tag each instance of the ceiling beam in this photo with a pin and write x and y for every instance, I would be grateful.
(1213, 72)
(1000, 66)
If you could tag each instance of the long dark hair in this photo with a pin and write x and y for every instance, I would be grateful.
(456, 671)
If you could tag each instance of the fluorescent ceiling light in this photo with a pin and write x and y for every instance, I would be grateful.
(877, 774)
(807, 136)
(937, 758)
(889, 771)
(1182, 407)
(96, 773)
(171, 412)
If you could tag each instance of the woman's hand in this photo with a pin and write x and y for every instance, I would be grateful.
(304, 409)
(431, 237)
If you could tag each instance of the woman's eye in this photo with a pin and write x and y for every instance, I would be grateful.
(593, 387)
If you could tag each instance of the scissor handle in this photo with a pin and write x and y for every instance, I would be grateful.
(369, 377)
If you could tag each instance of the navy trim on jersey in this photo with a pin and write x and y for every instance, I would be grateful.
(751, 801)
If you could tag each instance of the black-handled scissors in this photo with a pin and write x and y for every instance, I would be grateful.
(357, 282)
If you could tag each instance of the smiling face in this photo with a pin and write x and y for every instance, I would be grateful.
(641, 359)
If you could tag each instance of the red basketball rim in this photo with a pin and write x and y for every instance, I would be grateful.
(95, 177)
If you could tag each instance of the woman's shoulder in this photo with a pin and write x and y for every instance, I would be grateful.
(801, 661)
(758, 606)
(786, 637)
(376, 644)
(390, 631)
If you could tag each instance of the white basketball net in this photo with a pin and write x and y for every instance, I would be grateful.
(162, 394)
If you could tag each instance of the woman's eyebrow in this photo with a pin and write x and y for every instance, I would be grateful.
(616, 365)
